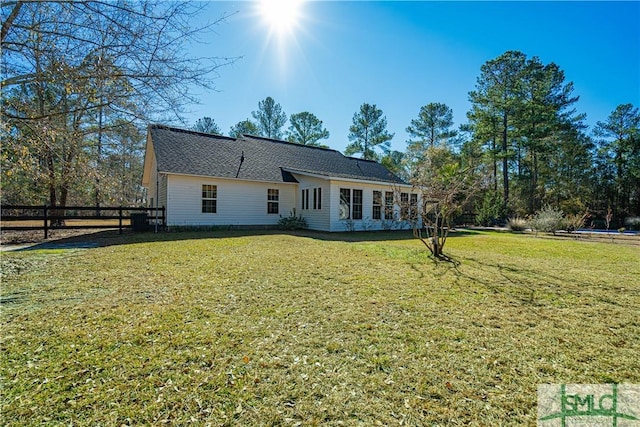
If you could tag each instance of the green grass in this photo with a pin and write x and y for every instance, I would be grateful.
(235, 329)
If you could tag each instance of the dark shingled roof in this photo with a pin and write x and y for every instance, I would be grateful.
(192, 153)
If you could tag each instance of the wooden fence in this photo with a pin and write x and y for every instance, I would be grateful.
(25, 217)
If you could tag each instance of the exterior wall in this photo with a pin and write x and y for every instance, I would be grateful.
(238, 202)
(156, 189)
(162, 190)
(152, 190)
(317, 219)
(367, 222)
(244, 203)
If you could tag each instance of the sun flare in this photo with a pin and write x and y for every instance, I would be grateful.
(281, 15)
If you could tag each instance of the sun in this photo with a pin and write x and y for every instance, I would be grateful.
(281, 15)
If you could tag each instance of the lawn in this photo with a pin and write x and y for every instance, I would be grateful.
(270, 329)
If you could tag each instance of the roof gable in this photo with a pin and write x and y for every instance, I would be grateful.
(254, 158)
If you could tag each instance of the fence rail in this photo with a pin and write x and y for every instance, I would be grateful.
(28, 217)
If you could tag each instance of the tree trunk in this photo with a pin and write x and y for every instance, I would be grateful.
(533, 197)
(98, 161)
(495, 163)
(505, 161)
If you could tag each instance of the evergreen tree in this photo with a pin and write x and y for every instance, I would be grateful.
(306, 129)
(269, 118)
(619, 149)
(496, 103)
(207, 125)
(432, 127)
(395, 162)
(368, 131)
(522, 112)
(547, 124)
(244, 127)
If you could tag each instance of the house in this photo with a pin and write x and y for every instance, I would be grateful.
(205, 179)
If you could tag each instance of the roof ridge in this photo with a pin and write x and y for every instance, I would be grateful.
(362, 160)
(293, 144)
(190, 131)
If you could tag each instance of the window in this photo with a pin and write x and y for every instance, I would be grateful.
(350, 204)
(413, 203)
(404, 205)
(388, 205)
(345, 203)
(357, 204)
(209, 198)
(305, 199)
(273, 200)
(377, 205)
(317, 198)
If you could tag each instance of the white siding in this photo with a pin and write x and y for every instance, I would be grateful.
(157, 193)
(367, 222)
(317, 219)
(238, 202)
(155, 183)
(245, 202)
(162, 193)
(152, 191)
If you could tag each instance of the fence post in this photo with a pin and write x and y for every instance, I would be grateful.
(120, 219)
(46, 222)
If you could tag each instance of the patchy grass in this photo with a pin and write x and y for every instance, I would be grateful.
(233, 329)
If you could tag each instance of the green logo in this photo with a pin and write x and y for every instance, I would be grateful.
(567, 405)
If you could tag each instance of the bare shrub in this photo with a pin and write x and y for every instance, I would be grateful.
(517, 224)
(548, 220)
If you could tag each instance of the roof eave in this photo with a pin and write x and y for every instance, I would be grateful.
(225, 177)
(341, 178)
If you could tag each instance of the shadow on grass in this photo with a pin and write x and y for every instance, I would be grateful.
(533, 286)
(108, 238)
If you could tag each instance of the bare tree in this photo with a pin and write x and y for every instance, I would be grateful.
(444, 187)
(74, 72)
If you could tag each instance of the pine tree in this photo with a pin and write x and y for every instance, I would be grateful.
(244, 127)
(368, 131)
(619, 147)
(306, 129)
(207, 125)
(432, 127)
(269, 118)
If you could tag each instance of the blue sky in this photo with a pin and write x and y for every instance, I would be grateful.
(403, 55)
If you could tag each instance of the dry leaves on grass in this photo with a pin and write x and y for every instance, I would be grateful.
(284, 330)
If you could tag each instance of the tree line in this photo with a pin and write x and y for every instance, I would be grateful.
(268, 120)
(81, 79)
(368, 134)
(523, 136)
(79, 82)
